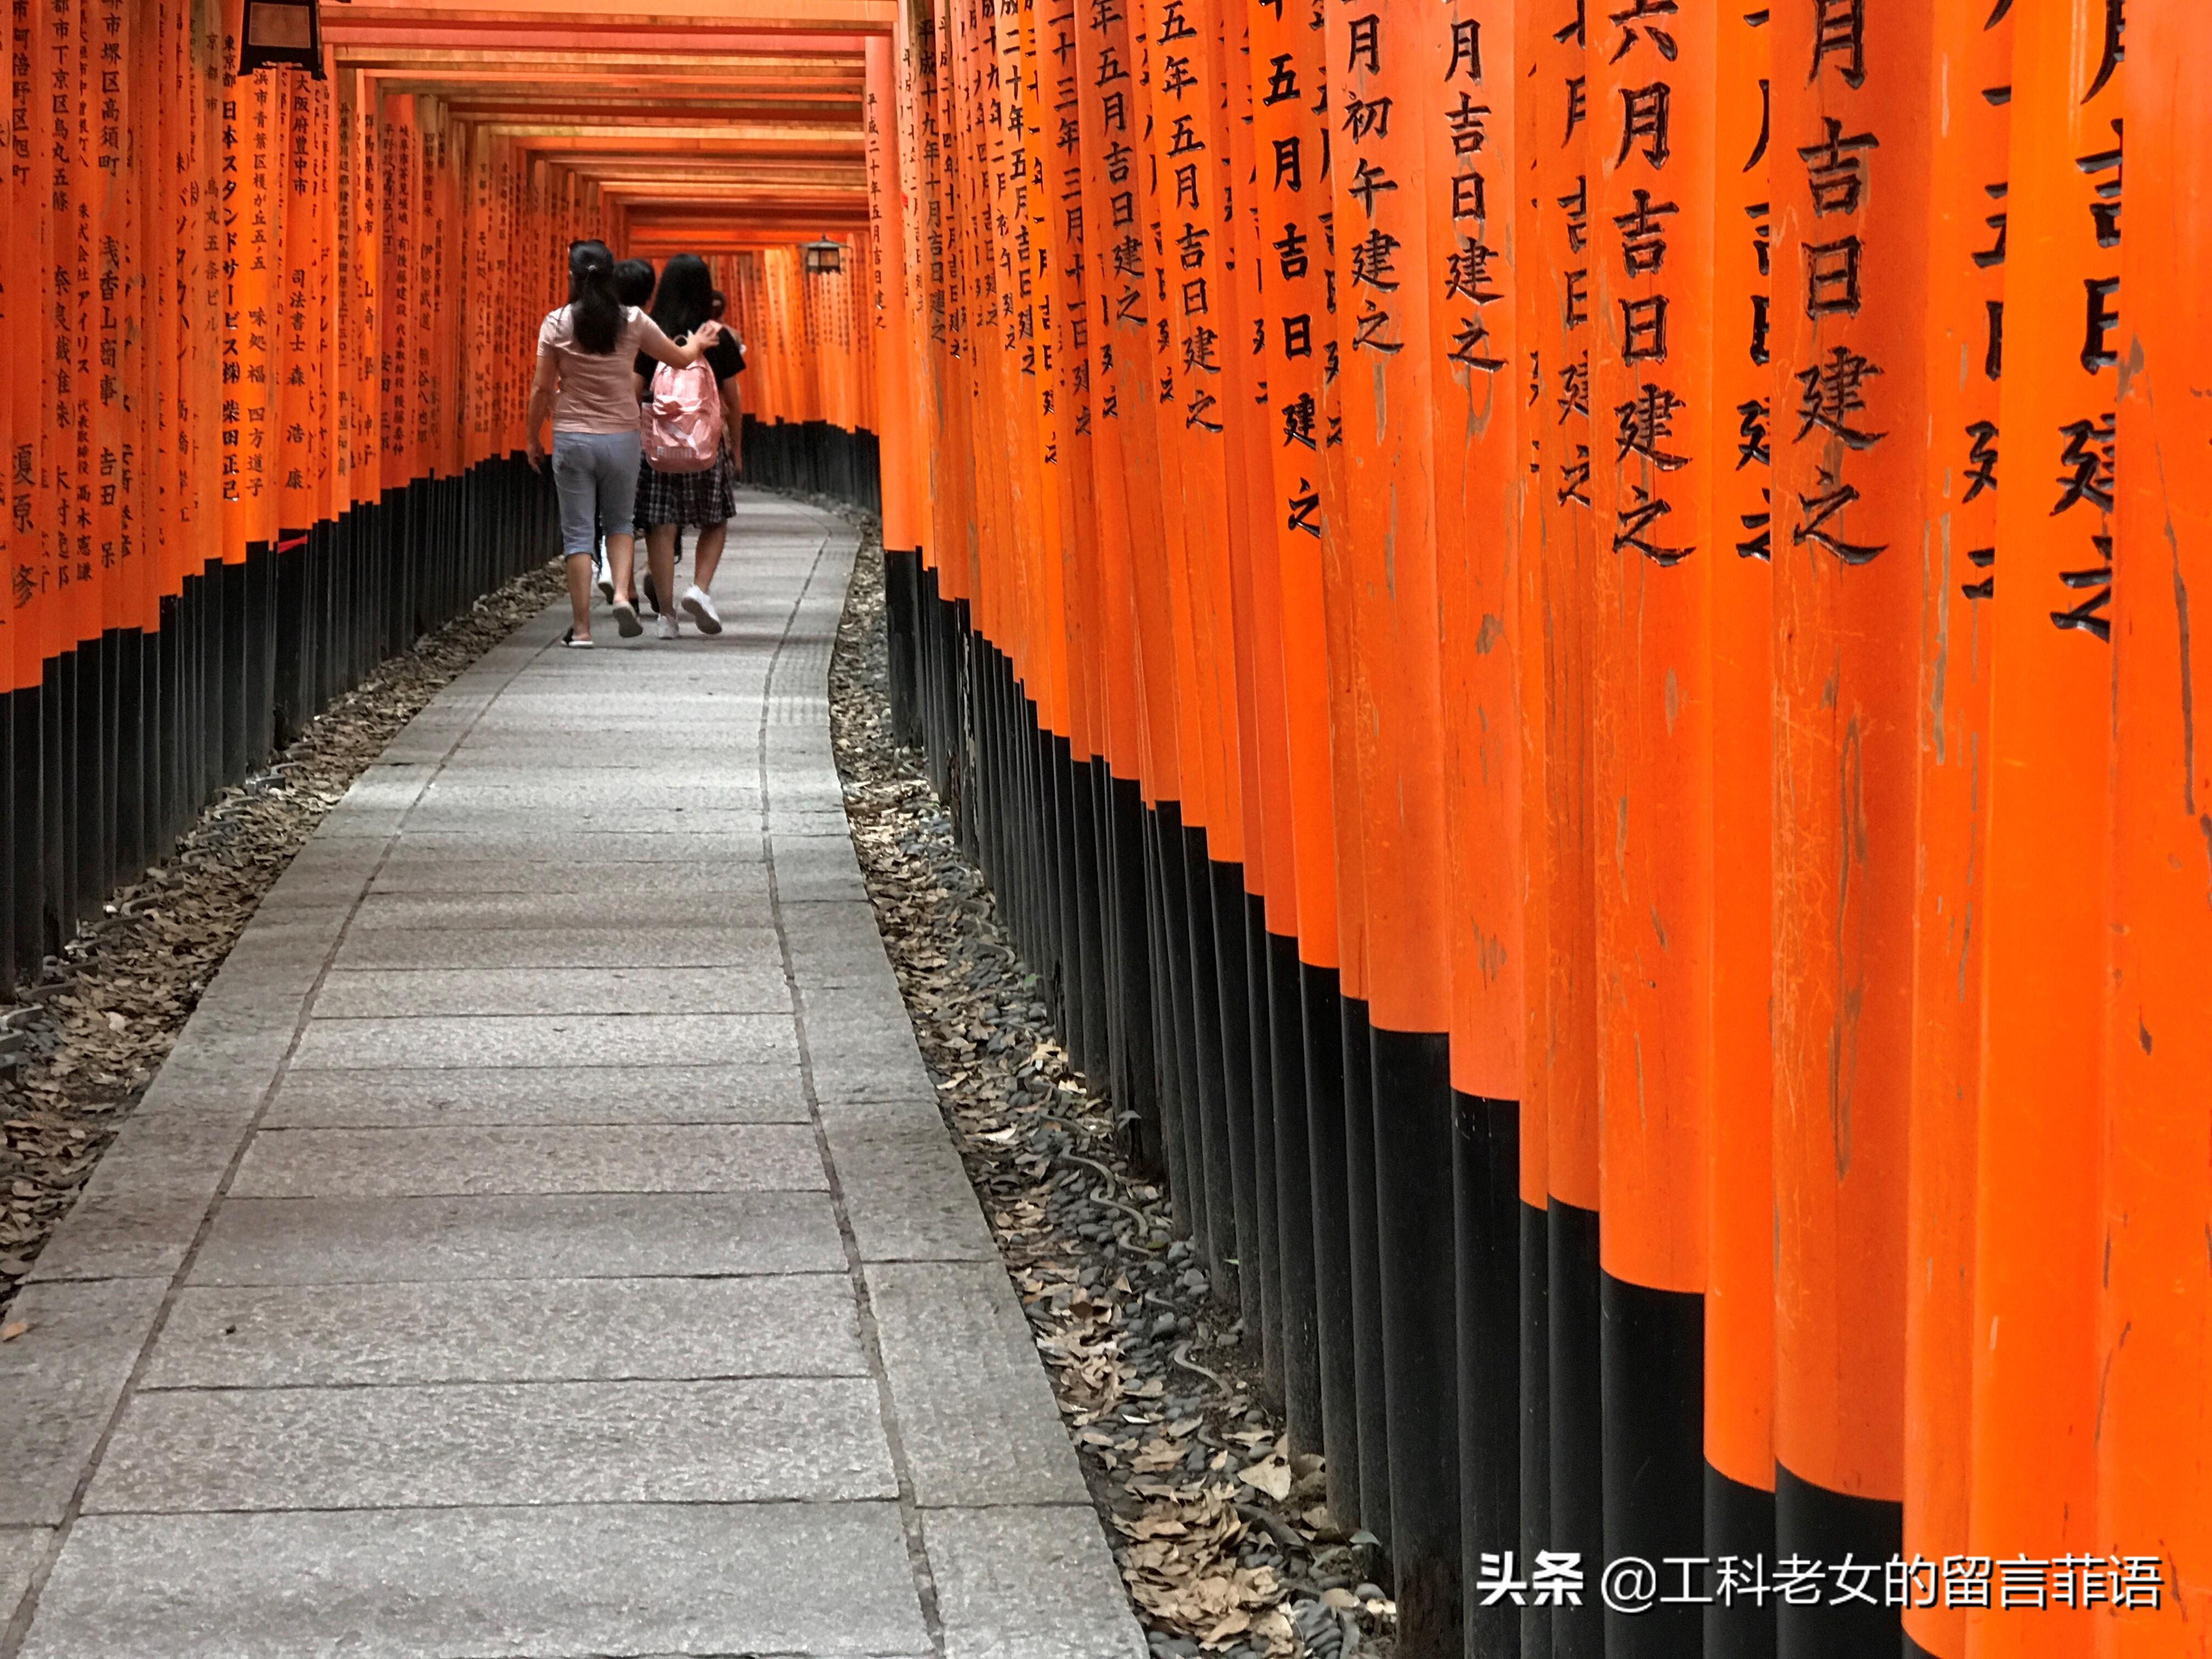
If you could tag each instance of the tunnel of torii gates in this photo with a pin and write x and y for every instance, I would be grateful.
(1566, 629)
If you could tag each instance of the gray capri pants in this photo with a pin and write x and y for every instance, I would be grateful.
(595, 475)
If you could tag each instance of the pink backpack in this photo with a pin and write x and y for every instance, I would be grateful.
(683, 423)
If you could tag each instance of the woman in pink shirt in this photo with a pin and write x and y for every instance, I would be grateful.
(585, 352)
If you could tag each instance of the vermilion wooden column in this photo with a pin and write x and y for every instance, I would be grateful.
(1188, 370)
(1383, 64)
(1652, 90)
(2039, 1235)
(1562, 1446)
(1738, 1357)
(1850, 158)
(1472, 345)
(1292, 328)
(1966, 277)
(2153, 1329)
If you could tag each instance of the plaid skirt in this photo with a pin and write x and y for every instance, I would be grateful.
(693, 499)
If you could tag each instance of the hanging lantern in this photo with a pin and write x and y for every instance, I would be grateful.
(281, 32)
(824, 257)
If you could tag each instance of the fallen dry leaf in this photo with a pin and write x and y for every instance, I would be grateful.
(13, 1328)
(1272, 1477)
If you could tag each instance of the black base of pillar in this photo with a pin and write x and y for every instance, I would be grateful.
(1486, 1201)
(1739, 1522)
(1577, 1419)
(1821, 1525)
(1653, 1344)
(1416, 1247)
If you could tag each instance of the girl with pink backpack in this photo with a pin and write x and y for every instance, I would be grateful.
(688, 473)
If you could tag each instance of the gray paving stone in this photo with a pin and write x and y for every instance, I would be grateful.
(22, 1552)
(448, 849)
(548, 1040)
(504, 750)
(806, 822)
(445, 1095)
(230, 1055)
(59, 1383)
(544, 1583)
(1028, 1584)
(381, 823)
(325, 887)
(589, 949)
(357, 1240)
(656, 906)
(872, 1062)
(906, 1195)
(123, 1236)
(249, 1025)
(860, 1023)
(179, 1095)
(811, 1439)
(485, 1331)
(709, 883)
(615, 816)
(555, 790)
(832, 943)
(167, 1156)
(333, 858)
(381, 788)
(811, 869)
(369, 993)
(974, 1413)
(286, 938)
(139, 1213)
(649, 1157)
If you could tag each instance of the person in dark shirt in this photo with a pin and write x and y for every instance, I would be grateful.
(634, 282)
(668, 501)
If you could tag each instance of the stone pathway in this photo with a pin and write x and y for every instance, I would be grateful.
(544, 1240)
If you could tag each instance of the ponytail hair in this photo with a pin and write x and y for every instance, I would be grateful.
(594, 311)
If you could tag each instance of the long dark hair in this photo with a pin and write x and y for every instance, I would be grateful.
(594, 314)
(686, 295)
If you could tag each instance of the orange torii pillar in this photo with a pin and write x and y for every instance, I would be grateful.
(891, 316)
(1849, 169)
(1739, 1287)
(1290, 196)
(1562, 1482)
(1967, 257)
(1388, 62)
(2153, 1446)
(1470, 150)
(1110, 366)
(1652, 87)
(2039, 1232)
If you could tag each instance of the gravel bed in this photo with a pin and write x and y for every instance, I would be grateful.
(80, 1043)
(1222, 1537)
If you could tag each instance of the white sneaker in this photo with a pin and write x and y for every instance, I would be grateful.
(668, 628)
(700, 605)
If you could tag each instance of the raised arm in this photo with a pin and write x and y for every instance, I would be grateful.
(659, 347)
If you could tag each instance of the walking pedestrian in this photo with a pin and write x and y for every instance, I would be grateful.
(689, 472)
(584, 381)
(634, 285)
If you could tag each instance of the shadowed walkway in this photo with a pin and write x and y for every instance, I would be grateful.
(544, 1240)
